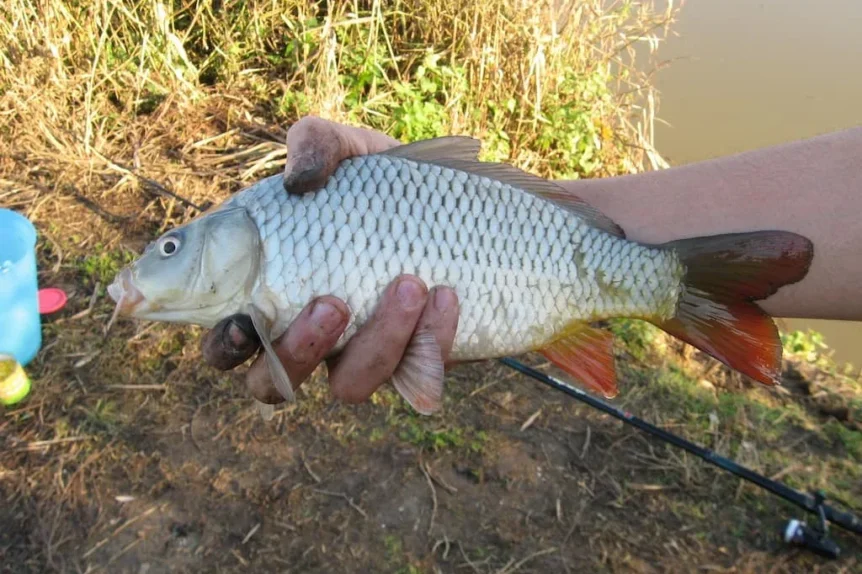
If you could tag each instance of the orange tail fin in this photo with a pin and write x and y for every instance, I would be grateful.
(725, 274)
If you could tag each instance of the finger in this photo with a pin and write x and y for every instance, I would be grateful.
(230, 343)
(316, 146)
(440, 317)
(301, 348)
(373, 353)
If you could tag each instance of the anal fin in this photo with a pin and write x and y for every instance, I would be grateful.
(587, 354)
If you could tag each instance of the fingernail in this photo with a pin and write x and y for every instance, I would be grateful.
(444, 298)
(410, 293)
(326, 317)
(236, 336)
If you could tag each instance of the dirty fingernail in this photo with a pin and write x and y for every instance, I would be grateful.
(444, 298)
(410, 294)
(236, 336)
(326, 317)
(240, 334)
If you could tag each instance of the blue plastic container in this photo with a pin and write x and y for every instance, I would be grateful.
(20, 323)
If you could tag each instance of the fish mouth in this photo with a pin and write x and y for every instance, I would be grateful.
(125, 294)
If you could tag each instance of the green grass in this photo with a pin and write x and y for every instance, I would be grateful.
(102, 266)
(849, 439)
(428, 433)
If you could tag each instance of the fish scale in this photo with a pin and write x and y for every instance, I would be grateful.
(503, 253)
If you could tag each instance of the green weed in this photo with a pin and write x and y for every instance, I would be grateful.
(102, 267)
(102, 418)
(393, 546)
(807, 345)
(637, 336)
(428, 434)
(419, 434)
(851, 440)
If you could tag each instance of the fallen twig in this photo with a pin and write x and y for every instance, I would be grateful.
(510, 570)
(586, 444)
(433, 496)
(251, 532)
(119, 529)
(239, 557)
(86, 359)
(227, 426)
(153, 387)
(529, 422)
(349, 500)
(469, 562)
(439, 480)
(311, 472)
(445, 542)
(95, 296)
(46, 443)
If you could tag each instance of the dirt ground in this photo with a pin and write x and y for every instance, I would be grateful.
(132, 456)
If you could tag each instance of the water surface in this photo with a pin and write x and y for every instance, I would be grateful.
(746, 74)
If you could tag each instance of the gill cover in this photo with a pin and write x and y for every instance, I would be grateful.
(197, 273)
(200, 273)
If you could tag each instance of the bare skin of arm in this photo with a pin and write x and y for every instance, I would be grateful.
(812, 187)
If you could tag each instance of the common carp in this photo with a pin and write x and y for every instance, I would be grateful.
(534, 268)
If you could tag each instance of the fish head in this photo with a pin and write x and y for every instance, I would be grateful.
(197, 273)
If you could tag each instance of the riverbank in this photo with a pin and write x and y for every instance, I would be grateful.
(131, 455)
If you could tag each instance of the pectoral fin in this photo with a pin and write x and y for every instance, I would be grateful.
(276, 369)
(587, 354)
(419, 376)
(266, 411)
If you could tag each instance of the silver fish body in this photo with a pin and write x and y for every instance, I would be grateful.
(532, 265)
(524, 268)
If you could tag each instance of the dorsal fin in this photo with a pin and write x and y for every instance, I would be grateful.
(461, 153)
(435, 149)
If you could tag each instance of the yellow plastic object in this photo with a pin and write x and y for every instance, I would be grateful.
(14, 383)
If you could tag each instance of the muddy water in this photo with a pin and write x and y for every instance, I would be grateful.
(746, 74)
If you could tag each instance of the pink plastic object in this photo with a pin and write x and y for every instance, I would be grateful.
(51, 300)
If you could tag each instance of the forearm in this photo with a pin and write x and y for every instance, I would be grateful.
(812, 187)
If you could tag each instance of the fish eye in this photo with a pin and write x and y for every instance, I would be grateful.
(169, 245)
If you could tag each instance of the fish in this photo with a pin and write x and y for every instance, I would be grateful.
(535, 268)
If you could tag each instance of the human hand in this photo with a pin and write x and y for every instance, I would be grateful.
(315, 148)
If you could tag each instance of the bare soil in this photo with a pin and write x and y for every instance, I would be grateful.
(177, 473)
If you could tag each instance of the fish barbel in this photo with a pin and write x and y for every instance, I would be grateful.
(533, 266)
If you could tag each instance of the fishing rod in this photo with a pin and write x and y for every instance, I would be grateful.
(814, 538)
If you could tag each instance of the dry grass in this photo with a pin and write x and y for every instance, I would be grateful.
(98, 94)
(130, 454)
